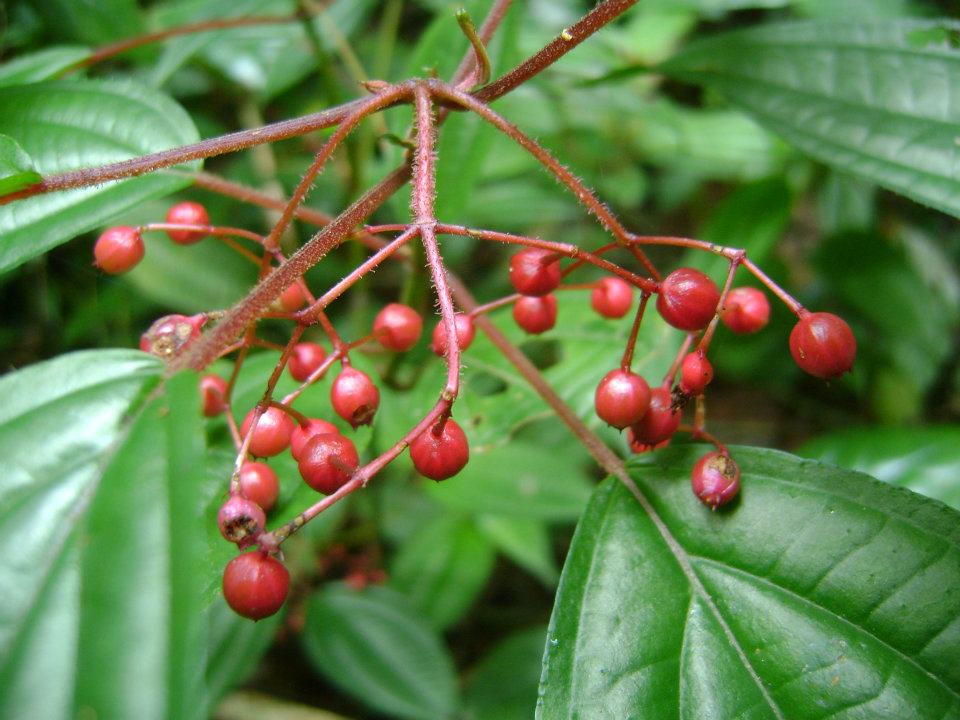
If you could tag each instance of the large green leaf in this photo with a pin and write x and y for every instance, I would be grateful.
(877, 98)
(16, 167)
(77, 124)
(41, 64)
(822, 592)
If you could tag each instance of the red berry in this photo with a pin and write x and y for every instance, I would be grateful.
(354, 397)
(291, 299)
(696, 372)
(397, 327)
(302, 434)
(255, 585)
(327, 462)
(535, 315)
(823, 345)
(187, 213)
(688, 299)
(465, 333)
(171, 334)
(661, 420)
(258, 482)
(612, 297)
(622, 398)
(535, 272)
(715, 479)
(240, 519)
(118, 250)
(272, 434)
(443, 455)
(746, 310)
(305, 359)
(213, 393)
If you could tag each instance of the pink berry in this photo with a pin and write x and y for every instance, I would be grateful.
(661, 420)
(715, 479)
(255, 585)
(354, 397)
(258, 482)
(327, 461)
(823, 345)
(696, 372)
(187, 213)
(213, 393)
(291, 299)
(746, 310)
(305, 359)
(302, 434)
(439, 456)
(398, 327)
(272, 434)
(535, 272)
(622, 398)
(118, 250)
(171, 334)
(535, 315)
(465, 332)
(612, 297)
(688, 299)
(240, 520)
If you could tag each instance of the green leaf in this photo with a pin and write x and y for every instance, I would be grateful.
(822, 592)
(77, 124)
(40, 65)
(503, 686)
(873, 98)
(96, 22)
(525, 541)
(16, 168)
(375, 647)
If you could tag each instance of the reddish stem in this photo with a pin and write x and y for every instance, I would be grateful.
(634, 331)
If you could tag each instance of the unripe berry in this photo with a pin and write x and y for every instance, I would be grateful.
(272, 434)
(118, 250)
(746, 310)
(302, 434)
(535, 272)
(291, 299)
(823, 345)
(305, 358)
(398, 327)
(439, 456)
(255, 585)
(327, 461)
(622, 398)
(535, 315)
(688, 299)
(612, 297)
(240, 519)
(213, 393)
(715, 479)
(354, 397)
(465, 333)
(187, 213)
(258, 482)
(661, 420)
(171, 334)
(696, 372)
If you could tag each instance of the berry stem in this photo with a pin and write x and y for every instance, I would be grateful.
(678, 360)
(707, 336)
(634, 331)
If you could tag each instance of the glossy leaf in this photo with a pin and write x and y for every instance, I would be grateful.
(40, 65)
(822, 592)
(873, 98)
(16, 167)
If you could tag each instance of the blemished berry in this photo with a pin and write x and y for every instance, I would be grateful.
(305, 358)
(291, 299)
(622, 398)
(535, 315)
(354, 397)
(661, 420)
(612, 297)
(171, 334)
(118, 250)
(255, 585)
(240, 519)
(187, 213)
(746, 310)
(213, 393)
(535, 272)
(272, 434)
(439, 456)
(688, 299)
(465, 333)
(696, 372)
(258, 482)
(715, 479)
(302, 434)
(327, 461)
(397, 327)
(823, 345)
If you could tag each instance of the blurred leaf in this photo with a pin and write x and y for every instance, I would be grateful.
(373, 646)
(857, 9)
(40, 65)
(96, 22)
(503, 686)
(79, 124)
(821, 591)
(875, 99)
(846, 203)
(526, 542)
(16, 168)
(236, 646)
